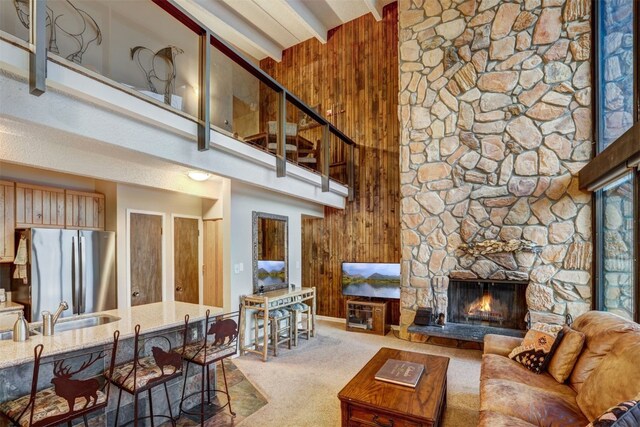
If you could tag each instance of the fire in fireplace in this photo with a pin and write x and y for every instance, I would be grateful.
(485, 309)
(488, 303)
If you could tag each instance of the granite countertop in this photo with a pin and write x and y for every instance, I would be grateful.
(10, 306)
(150, 317)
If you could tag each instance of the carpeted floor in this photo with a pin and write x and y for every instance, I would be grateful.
(301, 385)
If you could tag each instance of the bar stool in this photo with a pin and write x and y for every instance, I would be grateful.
(220, 342)
(297, 310)
(279, 326)
(74, 393)
(148, 370)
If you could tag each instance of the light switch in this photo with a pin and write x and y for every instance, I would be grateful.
(241, 266)
(236, 268)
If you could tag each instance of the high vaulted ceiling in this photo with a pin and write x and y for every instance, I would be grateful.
(264, 28)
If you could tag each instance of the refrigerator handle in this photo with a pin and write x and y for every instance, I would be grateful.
(74, 263)
(83, 282)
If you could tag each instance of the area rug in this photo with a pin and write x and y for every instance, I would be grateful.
(302, 384)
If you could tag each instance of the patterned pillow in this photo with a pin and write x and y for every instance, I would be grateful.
(538, 346)
(623, 414)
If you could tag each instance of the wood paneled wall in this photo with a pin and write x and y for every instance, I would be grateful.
(356, 75)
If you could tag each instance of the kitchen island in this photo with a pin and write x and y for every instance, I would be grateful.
(96, 331)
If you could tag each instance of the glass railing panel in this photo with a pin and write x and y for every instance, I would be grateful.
(304, 138)
(14, 18)
(134, 43)
(241, 105)
(338, 160)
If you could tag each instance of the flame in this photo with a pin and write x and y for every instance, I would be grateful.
(481, 305)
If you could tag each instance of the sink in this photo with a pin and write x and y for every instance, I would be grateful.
(73, 323)
(8, 335)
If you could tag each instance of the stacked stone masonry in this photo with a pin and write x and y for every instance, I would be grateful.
(495, 111)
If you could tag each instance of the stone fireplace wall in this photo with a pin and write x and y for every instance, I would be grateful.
(495, 115)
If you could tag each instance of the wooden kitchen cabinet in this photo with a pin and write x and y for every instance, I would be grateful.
(84, 210)
(7, 221)
(38, 206)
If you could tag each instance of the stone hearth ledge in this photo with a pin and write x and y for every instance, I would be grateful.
(150, 317)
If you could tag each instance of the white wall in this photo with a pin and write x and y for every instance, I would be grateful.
(131, 197)
(29, 175)
(246, 199)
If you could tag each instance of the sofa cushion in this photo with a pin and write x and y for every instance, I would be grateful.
(625, 414)
(531, 404)
(503, 368)
(500, 344)
(601, 330)
(538, 347)
(566, 355)
(616, 379)
(495, 419)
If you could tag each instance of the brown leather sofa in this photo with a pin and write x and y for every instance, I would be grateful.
(606, 373)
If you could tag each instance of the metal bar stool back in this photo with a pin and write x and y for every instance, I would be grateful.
(79, 389)
(156, 360)
(212, 341)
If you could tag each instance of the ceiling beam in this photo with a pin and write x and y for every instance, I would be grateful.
(307, 18)
(375, 7)
(226, 24)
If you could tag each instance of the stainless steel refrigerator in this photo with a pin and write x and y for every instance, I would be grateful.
(77, 266)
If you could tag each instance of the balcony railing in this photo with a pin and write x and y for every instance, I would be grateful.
(155, 50)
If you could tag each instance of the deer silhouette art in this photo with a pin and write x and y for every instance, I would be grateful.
(70, 389)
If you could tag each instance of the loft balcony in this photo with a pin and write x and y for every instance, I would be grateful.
(149, 62)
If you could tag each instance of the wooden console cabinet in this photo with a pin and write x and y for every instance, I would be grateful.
(367, 316)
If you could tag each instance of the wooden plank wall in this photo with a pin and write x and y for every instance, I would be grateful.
(358, 71)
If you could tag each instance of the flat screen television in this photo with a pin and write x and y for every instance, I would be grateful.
(377, 280)
(271, 273)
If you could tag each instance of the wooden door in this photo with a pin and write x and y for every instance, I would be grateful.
(84, 210)
(38, 206)
(145, 258)
(185, 260)
(7, 221)
(212, 254)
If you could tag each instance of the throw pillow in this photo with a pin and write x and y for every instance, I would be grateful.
(566, 354)
(538, 346)
(625, 414)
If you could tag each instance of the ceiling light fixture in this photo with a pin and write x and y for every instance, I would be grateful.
(198, 175)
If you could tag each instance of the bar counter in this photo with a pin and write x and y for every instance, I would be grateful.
(150, 317)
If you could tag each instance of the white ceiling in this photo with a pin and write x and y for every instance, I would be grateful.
(264, 28)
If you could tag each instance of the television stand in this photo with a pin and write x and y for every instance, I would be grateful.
(364, 315)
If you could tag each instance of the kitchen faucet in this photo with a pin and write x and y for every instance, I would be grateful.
(49, 321)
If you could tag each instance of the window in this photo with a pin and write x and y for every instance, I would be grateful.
(617, 199)
(616, 247)
(615, 52)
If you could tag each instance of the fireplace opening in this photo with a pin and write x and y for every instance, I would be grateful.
(500, 304)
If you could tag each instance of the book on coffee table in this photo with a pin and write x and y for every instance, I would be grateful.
(400, 372)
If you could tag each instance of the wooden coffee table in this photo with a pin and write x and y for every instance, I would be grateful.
(366, 401)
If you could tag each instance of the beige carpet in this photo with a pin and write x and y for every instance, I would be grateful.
(302, 384)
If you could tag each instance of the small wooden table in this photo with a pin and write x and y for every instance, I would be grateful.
(366, 401)
(272, 300)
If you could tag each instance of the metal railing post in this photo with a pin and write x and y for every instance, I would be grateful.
(204, 100)
(281, 136)
(38, 55)
(326, 158)
(351, 176)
